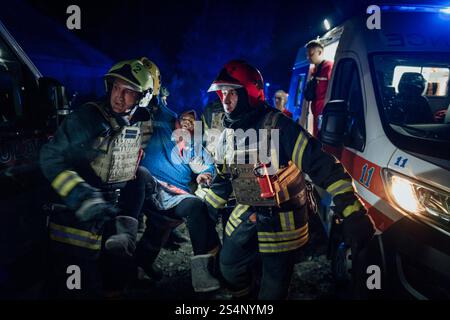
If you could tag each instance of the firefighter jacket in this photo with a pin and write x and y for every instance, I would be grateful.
(86, 154)
(87, 149)
(285, 228)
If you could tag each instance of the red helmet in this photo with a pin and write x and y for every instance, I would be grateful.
(239, 74)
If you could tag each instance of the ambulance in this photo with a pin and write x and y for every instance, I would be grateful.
(387, 117)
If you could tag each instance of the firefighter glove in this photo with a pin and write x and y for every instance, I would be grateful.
(96, 208)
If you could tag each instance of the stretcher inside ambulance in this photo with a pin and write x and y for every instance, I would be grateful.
(387, 118)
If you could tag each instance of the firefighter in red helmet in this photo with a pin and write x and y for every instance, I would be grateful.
(269, 223)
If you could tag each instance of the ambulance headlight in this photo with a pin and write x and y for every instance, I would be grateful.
(417, 198)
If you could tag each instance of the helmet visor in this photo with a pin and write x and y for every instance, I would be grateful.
(129, 85)
(223, 86)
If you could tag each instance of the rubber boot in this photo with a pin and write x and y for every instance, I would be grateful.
(123, 243)
(202, 280)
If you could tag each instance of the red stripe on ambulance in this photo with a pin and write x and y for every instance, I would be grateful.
(368, 175)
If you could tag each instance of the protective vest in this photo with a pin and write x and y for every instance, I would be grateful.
(286, 182)
(146, 132)
(120, 152)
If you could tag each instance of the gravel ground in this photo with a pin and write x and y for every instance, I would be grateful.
(311, 279)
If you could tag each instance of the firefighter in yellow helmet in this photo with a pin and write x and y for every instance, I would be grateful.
(270, 222)
(93, 156)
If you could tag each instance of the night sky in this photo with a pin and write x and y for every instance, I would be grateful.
(191, 40)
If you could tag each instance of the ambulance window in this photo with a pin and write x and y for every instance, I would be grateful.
(347, 87)
(437, 79)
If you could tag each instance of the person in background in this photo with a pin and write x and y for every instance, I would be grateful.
(280, 100)
(316, 88)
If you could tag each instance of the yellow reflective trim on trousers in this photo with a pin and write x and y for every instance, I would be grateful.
(283, 236)
(299, 149)
(340, 186)
(291, 220)
(76, 237)
(75, 242)
(283, 221)
(65, 182)
(283, 246)
(279, 238)
(305, 227)
(214, 200)
(287, 220)
(78, 232)
(356, 206)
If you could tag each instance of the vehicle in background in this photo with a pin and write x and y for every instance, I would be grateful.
(30, 108)
(387, 118)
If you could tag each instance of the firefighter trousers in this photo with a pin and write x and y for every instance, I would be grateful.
(264, 241)
(79, 244)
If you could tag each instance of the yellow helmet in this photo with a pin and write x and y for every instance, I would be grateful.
(154, 71)
(136, 75)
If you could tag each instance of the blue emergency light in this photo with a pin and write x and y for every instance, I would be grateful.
(416, 8)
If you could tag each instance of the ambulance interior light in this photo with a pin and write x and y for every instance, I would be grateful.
(417, 198)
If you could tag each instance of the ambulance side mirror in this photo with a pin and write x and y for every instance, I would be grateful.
(334, 123)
